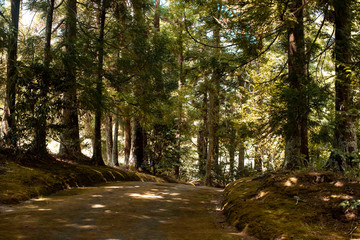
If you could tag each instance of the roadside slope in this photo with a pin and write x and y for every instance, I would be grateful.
(22, 179)
(301, 205)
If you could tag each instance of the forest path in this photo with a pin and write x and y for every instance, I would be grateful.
(124, 210)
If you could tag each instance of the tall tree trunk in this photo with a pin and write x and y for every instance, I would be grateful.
(345, 139)
(213, 105)
(137, 144)
(97, 150)
(8, 128)
(40, 128)
(70, 139)
(181, 82)
(241, 161)
(139, 53)
(231, 150)
(115, 150)
(109, 139)
(202, 140)
(297, 73)
(128, 140)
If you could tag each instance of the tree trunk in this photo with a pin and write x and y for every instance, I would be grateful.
(137, 144)
(70, 139)
(345, 139)
(213, 106)
(241, 161)
(115, 150)
(181, 82)
(296, 75)
(128, 140)
(8, 128)
(97, 152)
(258, 160)
(231, 160)
(39, 145)
(109, 139)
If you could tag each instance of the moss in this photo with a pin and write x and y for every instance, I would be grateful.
(25, 179)
(287, 205)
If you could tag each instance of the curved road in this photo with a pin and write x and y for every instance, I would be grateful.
(124, 210)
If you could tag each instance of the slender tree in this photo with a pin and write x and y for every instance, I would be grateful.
(70, 139)
(115, 148)
(345, 139)
(213, 119)
(8, 128)
(97, 150)
(109, 139)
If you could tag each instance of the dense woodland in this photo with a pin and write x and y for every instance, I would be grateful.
(209, 90)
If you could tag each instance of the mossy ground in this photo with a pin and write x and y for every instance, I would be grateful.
(22, 178)
(302, 205)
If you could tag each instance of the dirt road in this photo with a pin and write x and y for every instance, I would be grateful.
(125, 210)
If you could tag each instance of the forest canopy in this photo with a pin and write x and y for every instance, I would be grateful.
(204, 90)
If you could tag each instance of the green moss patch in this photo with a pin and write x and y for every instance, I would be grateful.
(302, 205)
(22, 179)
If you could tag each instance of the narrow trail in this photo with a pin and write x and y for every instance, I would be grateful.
(124, 210)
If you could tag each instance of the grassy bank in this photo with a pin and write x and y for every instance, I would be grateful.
(298, 205)
(28, 177)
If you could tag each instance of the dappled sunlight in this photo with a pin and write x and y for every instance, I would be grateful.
(325, 199)
(114, 187)
(291, 182)
(97, 196)
(78, 226)
(97, 206)
(339, 184)
(342, 196)
(44, 209)
(142, 217)
(261, 194)
(145, 196)
(174, 194)
(41, 199)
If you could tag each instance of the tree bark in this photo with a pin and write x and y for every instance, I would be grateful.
(8, 128)
(241, 161)
(231, 150)
(109, 139)
(115, 149)
(296, 75)
(70, 139)
(213, 105)
(137, 144)
(257, 160)
(39, 145)
(97, 150)
(345, 139)
(128, 140)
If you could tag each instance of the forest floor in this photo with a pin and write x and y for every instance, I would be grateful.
(282, 205)
(297, 205)
(122, 210)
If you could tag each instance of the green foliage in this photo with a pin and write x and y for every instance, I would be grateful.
(350, 204)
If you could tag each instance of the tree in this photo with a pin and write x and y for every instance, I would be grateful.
(296, 74)
(345, 139)
(70, 139)
(8, 128)
(41, 127)
(213, 119)
(97, 151)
